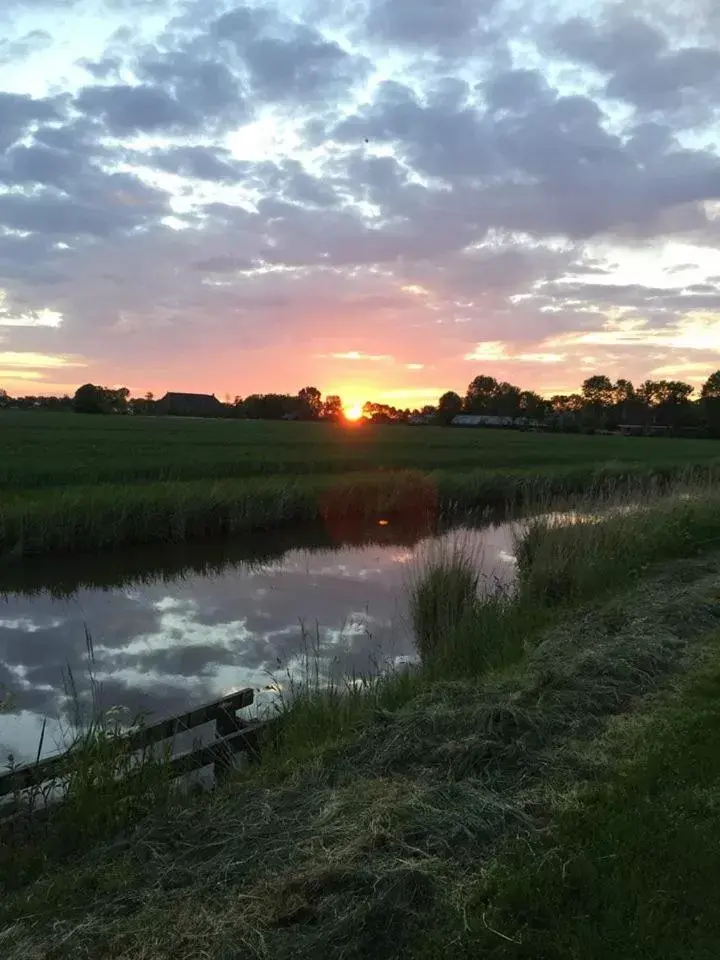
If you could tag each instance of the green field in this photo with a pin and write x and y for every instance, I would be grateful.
(71, 482)
(40, 450)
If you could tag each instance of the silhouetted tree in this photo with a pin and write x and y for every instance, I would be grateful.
(711, 387)
(310, 403)
(90, 398)
(449, 406)
(710, 400)
(532, 405)
(481, 393)
(332, 407)
(598, 391)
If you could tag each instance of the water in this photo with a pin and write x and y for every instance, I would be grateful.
(174, 627)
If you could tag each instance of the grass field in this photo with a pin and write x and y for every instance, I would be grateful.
(551, 793)
(70, 482)
(41, 450)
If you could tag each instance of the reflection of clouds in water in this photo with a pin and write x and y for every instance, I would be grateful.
(28, 625)
(170, 643)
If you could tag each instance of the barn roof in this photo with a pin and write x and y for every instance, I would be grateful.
(191, 401)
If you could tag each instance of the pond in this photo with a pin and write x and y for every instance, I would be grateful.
(177, 626)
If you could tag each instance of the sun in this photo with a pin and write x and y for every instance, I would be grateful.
(353, 412)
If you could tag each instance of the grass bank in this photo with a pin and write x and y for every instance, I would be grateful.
(72, 482)
(388, 828)
(624, 863)
(105, 516)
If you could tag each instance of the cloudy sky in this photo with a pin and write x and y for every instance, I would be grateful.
(381, 197)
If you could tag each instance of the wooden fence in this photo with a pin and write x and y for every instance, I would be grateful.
(233, 735)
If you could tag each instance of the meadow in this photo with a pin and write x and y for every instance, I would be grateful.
(543, 784)
(41, 450)
(73, 482)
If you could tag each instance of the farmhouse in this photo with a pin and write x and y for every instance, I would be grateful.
(189, 405)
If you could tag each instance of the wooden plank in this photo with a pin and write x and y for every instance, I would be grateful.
(166, 729)
(33, 774)
(219, 751)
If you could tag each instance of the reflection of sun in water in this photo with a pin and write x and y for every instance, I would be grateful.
(353, 412)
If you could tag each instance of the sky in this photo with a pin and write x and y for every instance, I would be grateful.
(383, 198)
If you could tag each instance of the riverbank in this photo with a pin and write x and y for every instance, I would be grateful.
(108, 516)
(71, 483)
(462, 808)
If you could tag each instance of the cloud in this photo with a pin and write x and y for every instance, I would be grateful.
(244, 197)
(358, 355)
(134, 109)
(9, 358)
(493, 351)
(288, 62)
(12, 51)
(642, 68)
(18, 113)
(428, 25)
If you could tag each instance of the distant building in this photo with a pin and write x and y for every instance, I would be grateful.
(189, 405)
(480, 420)
(422, 419)
(643, 430)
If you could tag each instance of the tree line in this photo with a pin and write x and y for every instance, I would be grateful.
(601, 404)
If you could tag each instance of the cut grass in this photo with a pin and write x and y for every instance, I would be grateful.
(627, 865)
(378, 843)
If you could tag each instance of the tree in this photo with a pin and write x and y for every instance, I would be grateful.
(598, 391)
(506, 400)
(566, 403)
(481, 393)
(668, 402)
(382, 413)
(449, 406)
(268, 406)
(4, 398)
(118, 399)
(710, 394)
(658, 392)
(624, 391)
(332, 408)
(90, 399)
(711, 388)
(310, 400)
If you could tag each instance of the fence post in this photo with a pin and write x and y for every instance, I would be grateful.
(226, 723)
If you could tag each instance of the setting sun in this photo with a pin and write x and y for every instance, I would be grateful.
(353, 412)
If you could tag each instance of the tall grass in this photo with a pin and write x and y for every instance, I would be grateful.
(314, 707)
(443, 595)
(101, 787)
(563, 561)
(105, 516)
(464, 628)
